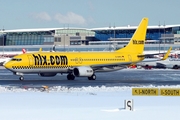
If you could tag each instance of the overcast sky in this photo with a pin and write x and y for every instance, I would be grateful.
(25, 14)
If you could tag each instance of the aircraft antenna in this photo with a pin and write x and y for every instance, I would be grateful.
(159, 36)
(3, 40)
(164, 35)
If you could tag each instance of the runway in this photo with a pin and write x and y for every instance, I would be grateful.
(126, 77)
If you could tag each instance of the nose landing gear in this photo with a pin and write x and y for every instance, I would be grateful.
(21, 78)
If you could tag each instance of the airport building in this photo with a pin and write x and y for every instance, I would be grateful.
(54, 36)
(160, 35)
(169, 34)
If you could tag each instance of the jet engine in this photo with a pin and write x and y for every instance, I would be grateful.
(47, 74)
(83, 71)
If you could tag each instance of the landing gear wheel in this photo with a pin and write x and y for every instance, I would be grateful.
(21, 78)
(70, 77)
(175, 67)
(93, 77)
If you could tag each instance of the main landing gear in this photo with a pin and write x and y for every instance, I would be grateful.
(93, 77)
(70, 76)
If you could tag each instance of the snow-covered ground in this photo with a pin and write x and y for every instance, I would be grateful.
(85, 103)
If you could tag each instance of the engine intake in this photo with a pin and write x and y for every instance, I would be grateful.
(83, 71)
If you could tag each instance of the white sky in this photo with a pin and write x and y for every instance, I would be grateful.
(16, 14)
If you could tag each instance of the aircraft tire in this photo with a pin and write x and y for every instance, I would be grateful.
(175, 67)
(93, 77)
(21, 78)
(70, 77)
(147, 67)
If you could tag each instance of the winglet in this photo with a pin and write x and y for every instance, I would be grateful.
(40, 49)
(167, 54)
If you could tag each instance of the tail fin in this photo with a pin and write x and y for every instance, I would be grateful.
(40, 49)
(136, 44)
(167, 54)
(23, 50)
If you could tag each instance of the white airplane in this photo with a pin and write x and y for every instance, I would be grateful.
(172, 62)
(5, 57)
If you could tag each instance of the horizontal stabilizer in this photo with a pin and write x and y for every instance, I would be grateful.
(164, 58)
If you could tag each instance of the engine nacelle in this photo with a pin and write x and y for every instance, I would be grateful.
(83, 71)
(47, 74)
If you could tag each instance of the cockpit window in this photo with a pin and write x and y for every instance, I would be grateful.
(16, 59)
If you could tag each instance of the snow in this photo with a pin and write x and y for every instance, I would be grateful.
(85, 103)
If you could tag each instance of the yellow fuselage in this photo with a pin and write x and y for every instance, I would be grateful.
(67, 60)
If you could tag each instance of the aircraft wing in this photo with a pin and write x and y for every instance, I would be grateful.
(118, 66)
(164, 58)
(110, 67)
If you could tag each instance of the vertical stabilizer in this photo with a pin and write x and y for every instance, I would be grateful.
(136, 44)
(40, 49)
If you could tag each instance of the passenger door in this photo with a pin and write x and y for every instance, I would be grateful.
(30, 60)
(130, 58)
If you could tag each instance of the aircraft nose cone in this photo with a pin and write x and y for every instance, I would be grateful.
(6, 61)
(6, 64)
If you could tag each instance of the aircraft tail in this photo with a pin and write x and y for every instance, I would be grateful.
(136, 44)
(40, 49)
(167, 54)
(23, 50)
